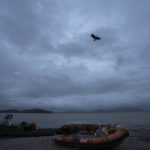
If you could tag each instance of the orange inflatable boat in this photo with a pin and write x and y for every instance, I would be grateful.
(91, 136)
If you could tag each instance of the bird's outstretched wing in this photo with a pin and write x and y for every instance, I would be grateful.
(95, 37)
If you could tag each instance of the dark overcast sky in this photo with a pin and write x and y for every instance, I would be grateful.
(48, 59)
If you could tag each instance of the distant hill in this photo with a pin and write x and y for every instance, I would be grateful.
(25, 111)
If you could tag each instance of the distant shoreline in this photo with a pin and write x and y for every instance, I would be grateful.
(75, 111)
(25, 111)
(46, 112)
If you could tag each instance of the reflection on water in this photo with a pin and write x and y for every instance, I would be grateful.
(53, 120)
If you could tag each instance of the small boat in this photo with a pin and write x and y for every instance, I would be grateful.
(23, 129)
(91, 136)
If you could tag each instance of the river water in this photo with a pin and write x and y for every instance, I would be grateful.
(53, 120)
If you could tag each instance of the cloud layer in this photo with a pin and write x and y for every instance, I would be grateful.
(48, 59)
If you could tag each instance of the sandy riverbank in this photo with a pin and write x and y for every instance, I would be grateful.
(139, 139)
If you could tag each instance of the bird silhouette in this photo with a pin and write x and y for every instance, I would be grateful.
(95, 37)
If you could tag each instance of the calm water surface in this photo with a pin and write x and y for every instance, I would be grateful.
(53, 120)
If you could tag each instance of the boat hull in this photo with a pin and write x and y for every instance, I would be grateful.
(8, 132)
(106, 142)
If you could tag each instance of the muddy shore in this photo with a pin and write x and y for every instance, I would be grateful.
(139, 139)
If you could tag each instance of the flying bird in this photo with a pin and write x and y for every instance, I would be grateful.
(95, 37)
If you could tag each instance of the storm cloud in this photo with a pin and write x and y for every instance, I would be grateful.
(48, 59)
